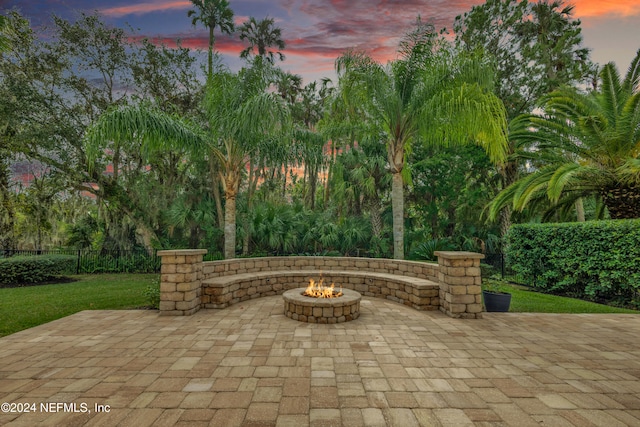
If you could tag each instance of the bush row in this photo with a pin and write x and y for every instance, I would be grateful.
(595, 259)
(35, 269)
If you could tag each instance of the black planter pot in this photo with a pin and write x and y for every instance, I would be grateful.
(496, 301)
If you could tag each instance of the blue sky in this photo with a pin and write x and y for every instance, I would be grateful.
(317, 31)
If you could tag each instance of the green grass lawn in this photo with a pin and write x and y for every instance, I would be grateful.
(22, 308)
(527, 301)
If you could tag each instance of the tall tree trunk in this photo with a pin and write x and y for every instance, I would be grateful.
(580, 210)
(230, 227)
(505, 221)
(397, 205)
(509, 173)
(7, 211)
(376, 217)
(329, 174)
(147, 235)
(210, 58)
(247, 231)
(284, 179)
(215, 189)
(313, 186)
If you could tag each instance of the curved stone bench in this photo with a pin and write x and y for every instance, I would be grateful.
(222, 291)
(452, 285)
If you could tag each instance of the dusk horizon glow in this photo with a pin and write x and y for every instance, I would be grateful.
(317, 32)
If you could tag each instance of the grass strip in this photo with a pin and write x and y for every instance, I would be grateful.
(26, 307)
(524, 300)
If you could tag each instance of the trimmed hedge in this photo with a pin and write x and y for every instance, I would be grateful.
(35, 269)
(594, 260)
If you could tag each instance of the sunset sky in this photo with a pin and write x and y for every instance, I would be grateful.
(318, 31)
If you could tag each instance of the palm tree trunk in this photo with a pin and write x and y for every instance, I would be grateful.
(210, 58)
(580, 210)
(623, 202)
(215, 190)
(230, 227)
(505, 220)
(284, 179)
(397, 205)
(250, 192)
(376, 218)
(508, 174)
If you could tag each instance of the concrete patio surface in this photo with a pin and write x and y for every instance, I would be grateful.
(249, 365)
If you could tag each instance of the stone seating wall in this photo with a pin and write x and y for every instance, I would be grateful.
(452, 285)
(417, 269)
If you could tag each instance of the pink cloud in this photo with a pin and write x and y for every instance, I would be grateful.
(143, 8)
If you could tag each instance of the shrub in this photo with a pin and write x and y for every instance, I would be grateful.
(35, 269)
(426, 250)
(152, 293)
(596, 259)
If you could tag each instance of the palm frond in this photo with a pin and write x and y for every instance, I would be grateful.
(632, 79)
(560, 178)
(153, 129)
(611, 92)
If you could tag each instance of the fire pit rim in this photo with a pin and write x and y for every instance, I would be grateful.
(297, 294)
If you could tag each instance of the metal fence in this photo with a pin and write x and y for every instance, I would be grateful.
(499, 265)
(103, 261)
(147, 261)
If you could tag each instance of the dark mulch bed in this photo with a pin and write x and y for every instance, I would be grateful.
(57, 281)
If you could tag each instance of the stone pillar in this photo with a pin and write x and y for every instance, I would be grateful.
(460, 279)
(180, 281)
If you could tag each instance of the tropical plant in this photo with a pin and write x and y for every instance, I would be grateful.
(585, 145)
(426, 250)
(537, 48)
(246, 120)
(432, 94)
(262, 35)
(212, 14)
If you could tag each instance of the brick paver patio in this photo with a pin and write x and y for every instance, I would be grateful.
(249, 365)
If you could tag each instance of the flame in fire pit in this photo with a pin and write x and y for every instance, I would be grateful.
(319, 290)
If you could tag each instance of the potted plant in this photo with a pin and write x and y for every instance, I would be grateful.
(495, 299)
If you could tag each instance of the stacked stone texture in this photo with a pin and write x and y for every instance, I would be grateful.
(223, 291)
(460, 280)
(321, 310)
(181, 281)
(452, 285)
(423, 270)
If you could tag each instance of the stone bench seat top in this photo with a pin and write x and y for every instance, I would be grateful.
(305, 275)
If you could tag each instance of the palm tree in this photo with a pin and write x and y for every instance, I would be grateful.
(212, 14)
(432, 94)
(241, 113)
(242, 116)
(262, 35)
(586, 145)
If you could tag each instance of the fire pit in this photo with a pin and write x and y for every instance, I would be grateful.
(321, 304)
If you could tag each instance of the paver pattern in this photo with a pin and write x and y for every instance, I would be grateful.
(249, 365)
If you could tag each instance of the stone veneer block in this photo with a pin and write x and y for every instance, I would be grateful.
(460, 280)
(180, 281)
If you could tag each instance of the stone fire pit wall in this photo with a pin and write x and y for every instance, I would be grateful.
(452, 285)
